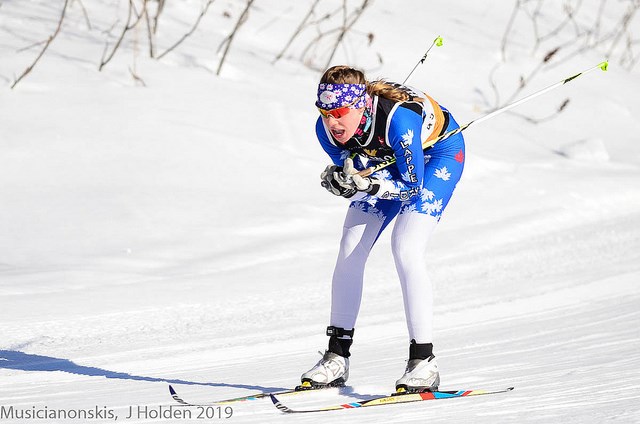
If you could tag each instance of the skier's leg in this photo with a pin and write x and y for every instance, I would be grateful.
(410, 238)
(362, 226)
(409, 244)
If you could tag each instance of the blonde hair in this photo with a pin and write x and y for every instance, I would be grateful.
(342, 74)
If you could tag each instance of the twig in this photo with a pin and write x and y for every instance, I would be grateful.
(231, 36)
(105, 58)
(136, 77)
(316, 40)
(157, 17)
(127, 28)
(628, 17)
(297, 31)
(346, 26)
(30, 46)
(191, 31)
(46, 46)
(493, 84)
(549, 117)
(505, 36)
(341, 33)
(85, 14)
(554, 32)
(149, 31)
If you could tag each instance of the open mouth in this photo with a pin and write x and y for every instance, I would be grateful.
(337, 133)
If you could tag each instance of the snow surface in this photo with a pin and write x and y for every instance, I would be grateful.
(176, 233)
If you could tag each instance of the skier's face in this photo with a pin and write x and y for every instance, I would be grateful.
(343, 128)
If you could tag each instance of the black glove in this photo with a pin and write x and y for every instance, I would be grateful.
(337, 182)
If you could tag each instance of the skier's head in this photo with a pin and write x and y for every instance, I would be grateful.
(342, 97)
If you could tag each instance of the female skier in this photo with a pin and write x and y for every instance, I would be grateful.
(363, 123)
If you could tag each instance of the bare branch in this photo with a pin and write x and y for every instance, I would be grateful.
(347, 25)
(46, 46)
(589, 33)
(628, 17)
(348, 21)
(84, 13)
(156, 18)
(136, 78)
(191, 31)
(229, 39)
(107, 58)
(505, 36)
(315, 42)
(298, 30)
(149, 31)
(30, 46)
(549, 117)
(341, 34)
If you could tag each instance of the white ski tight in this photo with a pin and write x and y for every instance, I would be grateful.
(409, 240)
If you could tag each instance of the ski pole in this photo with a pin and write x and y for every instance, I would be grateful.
(436, 42)
(426, 144)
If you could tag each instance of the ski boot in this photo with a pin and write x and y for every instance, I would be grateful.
(421, 374)
(333, 369)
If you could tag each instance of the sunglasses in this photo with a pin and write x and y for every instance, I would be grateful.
(336, 113)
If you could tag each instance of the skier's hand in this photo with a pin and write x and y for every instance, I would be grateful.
(351, 173)
(337, 182)
(359, 182)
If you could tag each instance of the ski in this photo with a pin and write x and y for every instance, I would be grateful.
(391, 399)
(254, 396)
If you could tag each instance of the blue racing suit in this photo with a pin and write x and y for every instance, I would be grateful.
(420, 181)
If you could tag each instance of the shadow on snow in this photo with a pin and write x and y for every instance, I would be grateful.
(15, 360)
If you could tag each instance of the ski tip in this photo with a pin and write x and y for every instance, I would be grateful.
(175, 396)
(279, 405)
(510, 389)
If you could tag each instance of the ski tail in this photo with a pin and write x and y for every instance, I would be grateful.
(175, 396)
(254, 396)
(280, 406)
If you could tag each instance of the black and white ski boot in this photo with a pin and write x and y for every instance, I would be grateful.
(333, 369)
(421, 373)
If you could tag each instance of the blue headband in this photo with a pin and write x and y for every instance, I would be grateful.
(333, 96)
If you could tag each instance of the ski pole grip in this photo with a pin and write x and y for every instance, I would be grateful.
(365, 172)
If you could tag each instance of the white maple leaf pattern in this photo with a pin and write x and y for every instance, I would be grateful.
(427, 158)
(408, 136)
(368, 207)
(406, 176)
(427, 195)
(443, 173)
(432, 208)
(384, 174)
(411, 207)
(378, 214)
